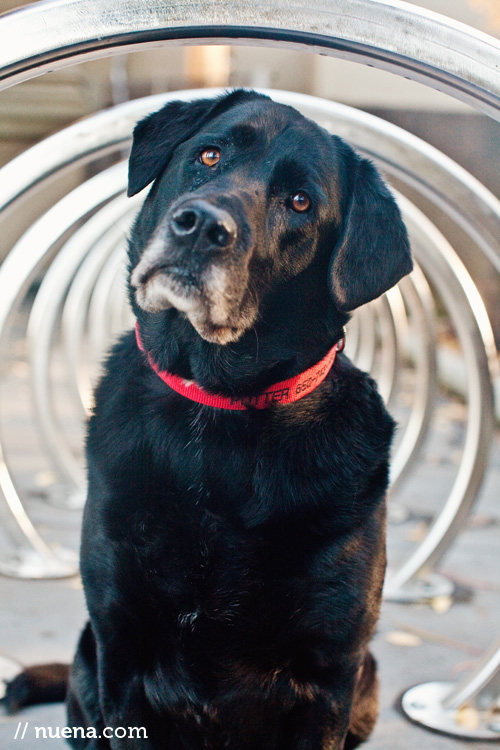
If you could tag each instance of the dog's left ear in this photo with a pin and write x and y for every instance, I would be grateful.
(373, 251)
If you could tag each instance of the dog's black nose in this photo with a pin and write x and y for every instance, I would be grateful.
(200, 220)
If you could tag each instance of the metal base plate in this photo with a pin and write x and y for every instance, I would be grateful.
(423, 704)
(26, 563)
(419, 589)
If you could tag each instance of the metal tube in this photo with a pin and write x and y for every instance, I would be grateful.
(385, 372)
(106, 310)
(482, 687)
(32, 557)
(105, 231)
(388, 34)
(476, 337)
(48, 300)
(416, 292)
(365, 354)
(401, 331)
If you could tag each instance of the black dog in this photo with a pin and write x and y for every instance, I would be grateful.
(233, 545)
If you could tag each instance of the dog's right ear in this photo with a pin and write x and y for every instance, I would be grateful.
(158, 135)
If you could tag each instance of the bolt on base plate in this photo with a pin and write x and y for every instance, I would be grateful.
(423, 704)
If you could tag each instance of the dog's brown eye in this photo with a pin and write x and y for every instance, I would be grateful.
(300, 202)
(210, 156)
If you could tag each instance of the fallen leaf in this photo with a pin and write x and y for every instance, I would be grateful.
(467, 717)
(441, 604)
(400, 638)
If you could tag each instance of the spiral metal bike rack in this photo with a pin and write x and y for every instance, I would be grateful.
(387, 34)
(103, 132)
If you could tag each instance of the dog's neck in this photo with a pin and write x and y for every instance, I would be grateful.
(266, 354)
(285, 391)
(296, 327)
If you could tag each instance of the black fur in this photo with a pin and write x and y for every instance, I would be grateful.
(233, 561)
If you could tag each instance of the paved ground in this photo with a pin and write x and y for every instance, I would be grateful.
(40, 621)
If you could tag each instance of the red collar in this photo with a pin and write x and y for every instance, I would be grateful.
(285, 392)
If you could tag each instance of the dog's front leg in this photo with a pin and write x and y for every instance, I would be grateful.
(105, 702)
(322, 722)
(317, 726)
(128, 716)
(121, 649)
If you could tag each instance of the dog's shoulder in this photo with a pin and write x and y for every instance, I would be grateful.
(362, 431)
(356, 401)
(120, 379)
(346, 409)
(329, 453)
(117, 418)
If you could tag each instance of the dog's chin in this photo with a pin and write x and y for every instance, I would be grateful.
(221, 335)
(160, 292)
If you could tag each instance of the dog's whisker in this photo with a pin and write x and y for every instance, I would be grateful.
(256, 347)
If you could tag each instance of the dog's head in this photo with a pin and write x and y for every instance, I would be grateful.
(248, 194)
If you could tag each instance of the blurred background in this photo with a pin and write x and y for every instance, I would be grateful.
(441, 636)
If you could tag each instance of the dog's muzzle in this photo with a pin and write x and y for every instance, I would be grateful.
(196, 262)
(193, 235)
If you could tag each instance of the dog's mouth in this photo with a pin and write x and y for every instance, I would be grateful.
(177, 275)
(162, 285)
(213, 304)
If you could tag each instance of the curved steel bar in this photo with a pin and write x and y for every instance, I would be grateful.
(108, 299)
(399, 321)
(110, 227)
(385, 372)
(438, 705)
(466, 310)
(365, 354)
(482, 687)
(417, 294)
(48, 301)
(33, 557)
(388, 34)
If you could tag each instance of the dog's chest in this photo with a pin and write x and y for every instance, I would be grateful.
(226, 542)
(201, 568)
(229, 603)
(213, 496)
